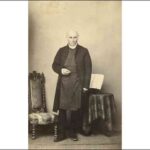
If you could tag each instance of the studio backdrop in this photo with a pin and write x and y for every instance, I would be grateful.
(99, 26)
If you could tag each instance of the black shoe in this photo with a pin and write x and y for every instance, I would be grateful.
(108, 133)
(73, 136)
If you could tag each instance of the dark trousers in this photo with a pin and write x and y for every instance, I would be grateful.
(68, 120)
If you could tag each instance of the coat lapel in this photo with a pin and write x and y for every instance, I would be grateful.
(77, 54)
(65, 54)
(77, 50)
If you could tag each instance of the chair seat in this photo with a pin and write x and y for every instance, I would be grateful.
(41, 118)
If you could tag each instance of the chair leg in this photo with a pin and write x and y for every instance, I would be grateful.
(55, 132)
(33, 132)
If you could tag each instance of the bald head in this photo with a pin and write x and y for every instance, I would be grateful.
(72, 33)
(72, 37)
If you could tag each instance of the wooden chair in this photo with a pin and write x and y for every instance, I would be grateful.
(38, 114)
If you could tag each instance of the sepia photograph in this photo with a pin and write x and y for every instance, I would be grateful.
(74, 75)
(74, 78)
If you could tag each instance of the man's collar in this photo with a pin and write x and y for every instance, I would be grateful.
(72, 47)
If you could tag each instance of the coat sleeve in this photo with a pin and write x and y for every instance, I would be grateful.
(57, 64)
(88, 69)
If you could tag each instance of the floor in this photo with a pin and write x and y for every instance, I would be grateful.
(94, 141)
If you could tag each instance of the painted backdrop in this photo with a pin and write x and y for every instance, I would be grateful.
(99, 26)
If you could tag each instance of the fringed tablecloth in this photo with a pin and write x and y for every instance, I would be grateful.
(101, 105)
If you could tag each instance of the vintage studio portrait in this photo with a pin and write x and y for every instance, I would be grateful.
(74, 75)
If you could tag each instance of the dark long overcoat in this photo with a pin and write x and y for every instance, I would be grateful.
(83, 64)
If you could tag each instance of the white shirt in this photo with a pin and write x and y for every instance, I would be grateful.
(73, 47)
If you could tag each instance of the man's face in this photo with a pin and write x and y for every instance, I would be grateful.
(72, 38)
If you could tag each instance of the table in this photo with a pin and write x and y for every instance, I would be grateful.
(98, 106)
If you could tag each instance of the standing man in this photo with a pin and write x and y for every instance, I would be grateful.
(73, 65)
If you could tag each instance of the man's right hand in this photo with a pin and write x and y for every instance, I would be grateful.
(56, 113)
(65, 71)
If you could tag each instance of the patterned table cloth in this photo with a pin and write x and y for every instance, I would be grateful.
(101, 105)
